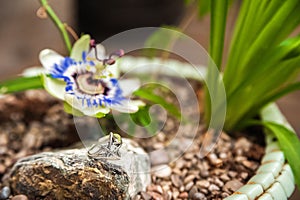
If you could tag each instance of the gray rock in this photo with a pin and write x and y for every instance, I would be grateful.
(71, 174)
(19, 197)
(161, 171)
(4, 193)
(159, 157)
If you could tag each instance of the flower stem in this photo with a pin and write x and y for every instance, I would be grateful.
(58, 23)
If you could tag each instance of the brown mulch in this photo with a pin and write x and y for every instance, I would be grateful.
(33, 122)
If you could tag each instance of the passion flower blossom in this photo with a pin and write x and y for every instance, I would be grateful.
(87, 84)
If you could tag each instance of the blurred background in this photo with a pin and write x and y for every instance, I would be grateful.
(23, 35)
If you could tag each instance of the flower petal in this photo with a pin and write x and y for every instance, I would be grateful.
(113, 70)
(129, 85)
(69, 109)
(80, 46)
(49, 57)
(33, 71)
(100, 52)
(127, 106)
(90, 111)
(55, 87)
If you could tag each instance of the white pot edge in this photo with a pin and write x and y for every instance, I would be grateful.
(274, 178)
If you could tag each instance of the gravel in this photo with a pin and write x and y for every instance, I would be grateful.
(217, 176)
(33, 122)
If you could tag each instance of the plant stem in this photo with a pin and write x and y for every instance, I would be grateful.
(58, 23)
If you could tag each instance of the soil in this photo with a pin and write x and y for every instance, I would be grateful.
(33, 122)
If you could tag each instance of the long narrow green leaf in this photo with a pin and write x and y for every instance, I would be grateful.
(287, 50)
(162, 39)
(217, 30)
(247, 32)
(280, 93)
(290, 145)
(20, 84)
(289, 24)
(231, 66)
(269, 9)
(264, 71)
(267, 37)
(217, 35)
(203, 7)
(249, 110)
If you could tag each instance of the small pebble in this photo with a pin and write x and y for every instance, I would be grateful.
(176, 180)
(192, 192)
(181, 189)
(155, 188)
(218, 182)
(189, 156)
(224, 195)
(242, 143)
(244, 175)
(162, 171)
(214, 160)
(180, 163)
(19, 197)
(213, 187)
(189, 178)
(159, 157)
(232, 174)
(223, 155)
(176, 171)
(199, 196)
(249, 164)
(146, 196)
(204, 173)
(4, 193)
(2, 168)
(183, 195)
(189, 185)
(175, 194)
(232, 185)
(156, 196)
(203, 183)
(224, 177)
(137, 197)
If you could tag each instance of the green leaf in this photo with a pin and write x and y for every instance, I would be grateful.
(203, 7)
(265, 40)
(155, 99)
(142, 118)
(214, 85)
(290, 145)
(20, 84)
(162, 39)
(81, 45)
(217, 30)
(188, 2)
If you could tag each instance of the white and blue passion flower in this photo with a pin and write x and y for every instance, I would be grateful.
(85, 83)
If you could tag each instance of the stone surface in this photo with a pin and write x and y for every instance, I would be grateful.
(71, 174)
(162, 171)
(19, 197)
(4, 193)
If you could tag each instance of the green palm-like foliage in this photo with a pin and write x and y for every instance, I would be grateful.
(262, 63)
